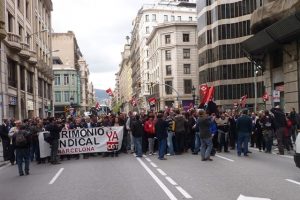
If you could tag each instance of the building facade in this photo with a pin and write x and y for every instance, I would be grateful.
(125, 80)
(222, 27)
(275, 46)
(173, 64)
(67, 72)
(26, 67)
(149, 16)
(84, 76)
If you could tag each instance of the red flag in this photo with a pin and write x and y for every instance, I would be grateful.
(265, 97)
(203, 90)
(152, 101)
(97, 106)
(209, 95)
(133, 101)
(109, 92)
(243, 101)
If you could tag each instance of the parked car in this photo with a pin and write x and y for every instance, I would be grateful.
(297, 154)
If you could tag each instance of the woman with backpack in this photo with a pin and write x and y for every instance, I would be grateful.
(21, 141)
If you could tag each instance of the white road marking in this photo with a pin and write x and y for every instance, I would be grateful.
(285, 156)
(292, 181)
(144, 156)
(161, 172)
(153, 165)
(225, 158)
(148, 159)
(183, 192)
(171, 180)
(158, 181)
(56, 176)
(242, 197)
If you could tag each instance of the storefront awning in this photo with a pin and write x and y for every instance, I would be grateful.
(281, 32)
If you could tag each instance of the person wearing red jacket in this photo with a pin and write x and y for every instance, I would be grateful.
(149, 129)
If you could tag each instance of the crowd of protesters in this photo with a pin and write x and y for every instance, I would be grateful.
(197, 131)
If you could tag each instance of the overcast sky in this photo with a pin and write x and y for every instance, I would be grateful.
(100, 27)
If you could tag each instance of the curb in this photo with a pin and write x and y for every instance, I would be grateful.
(2, 164)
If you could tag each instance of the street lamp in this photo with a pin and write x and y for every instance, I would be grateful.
(194, 95)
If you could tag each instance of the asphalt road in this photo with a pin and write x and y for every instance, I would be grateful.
(227, 177)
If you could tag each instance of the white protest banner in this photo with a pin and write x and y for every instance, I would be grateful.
(90, 140)
(45, 150)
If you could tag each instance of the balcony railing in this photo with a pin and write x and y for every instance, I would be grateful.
(11, 37)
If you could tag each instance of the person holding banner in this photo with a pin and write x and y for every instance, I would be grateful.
(54, 130)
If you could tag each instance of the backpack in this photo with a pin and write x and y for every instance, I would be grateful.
(21, 140)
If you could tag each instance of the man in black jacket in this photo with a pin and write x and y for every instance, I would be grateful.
(280, 124)
(5, 140)
(54, 130)
(161, 131)
(137, 130)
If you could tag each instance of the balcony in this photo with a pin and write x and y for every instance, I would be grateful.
(42, 66)
(32, 59)
(14, 42)
(25, 53)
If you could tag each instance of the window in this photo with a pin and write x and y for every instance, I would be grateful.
(147, 18)
(166, 18)
(73, 79)
(29, 82)
(12, 73)
(10, 23)
(179, 18)
(66, 79)
(168, 54)
(187, 68)
(67, 96)
(172, 18)
(187, 86)
(21, 32)
(40, 89)
(167, 39)
(27, 9)
(168, 70)
(56, 79)
(186, 37)
(57, 95)
(168, 89)
(147, 29)
(186, 53)
(154, 17)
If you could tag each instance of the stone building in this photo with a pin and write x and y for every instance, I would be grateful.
(275, 47)
(25, 67)
(173, 64)
(125, 80)
(67, 74)
(149, 16)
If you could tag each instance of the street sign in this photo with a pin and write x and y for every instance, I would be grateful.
(276, 96)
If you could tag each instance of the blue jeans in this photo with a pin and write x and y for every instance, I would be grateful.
(206, 147)
(23, 156)
(162, 146)
(34, 151)
(242, 144)
(170, 143)
(197, 142)
(138, 146)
